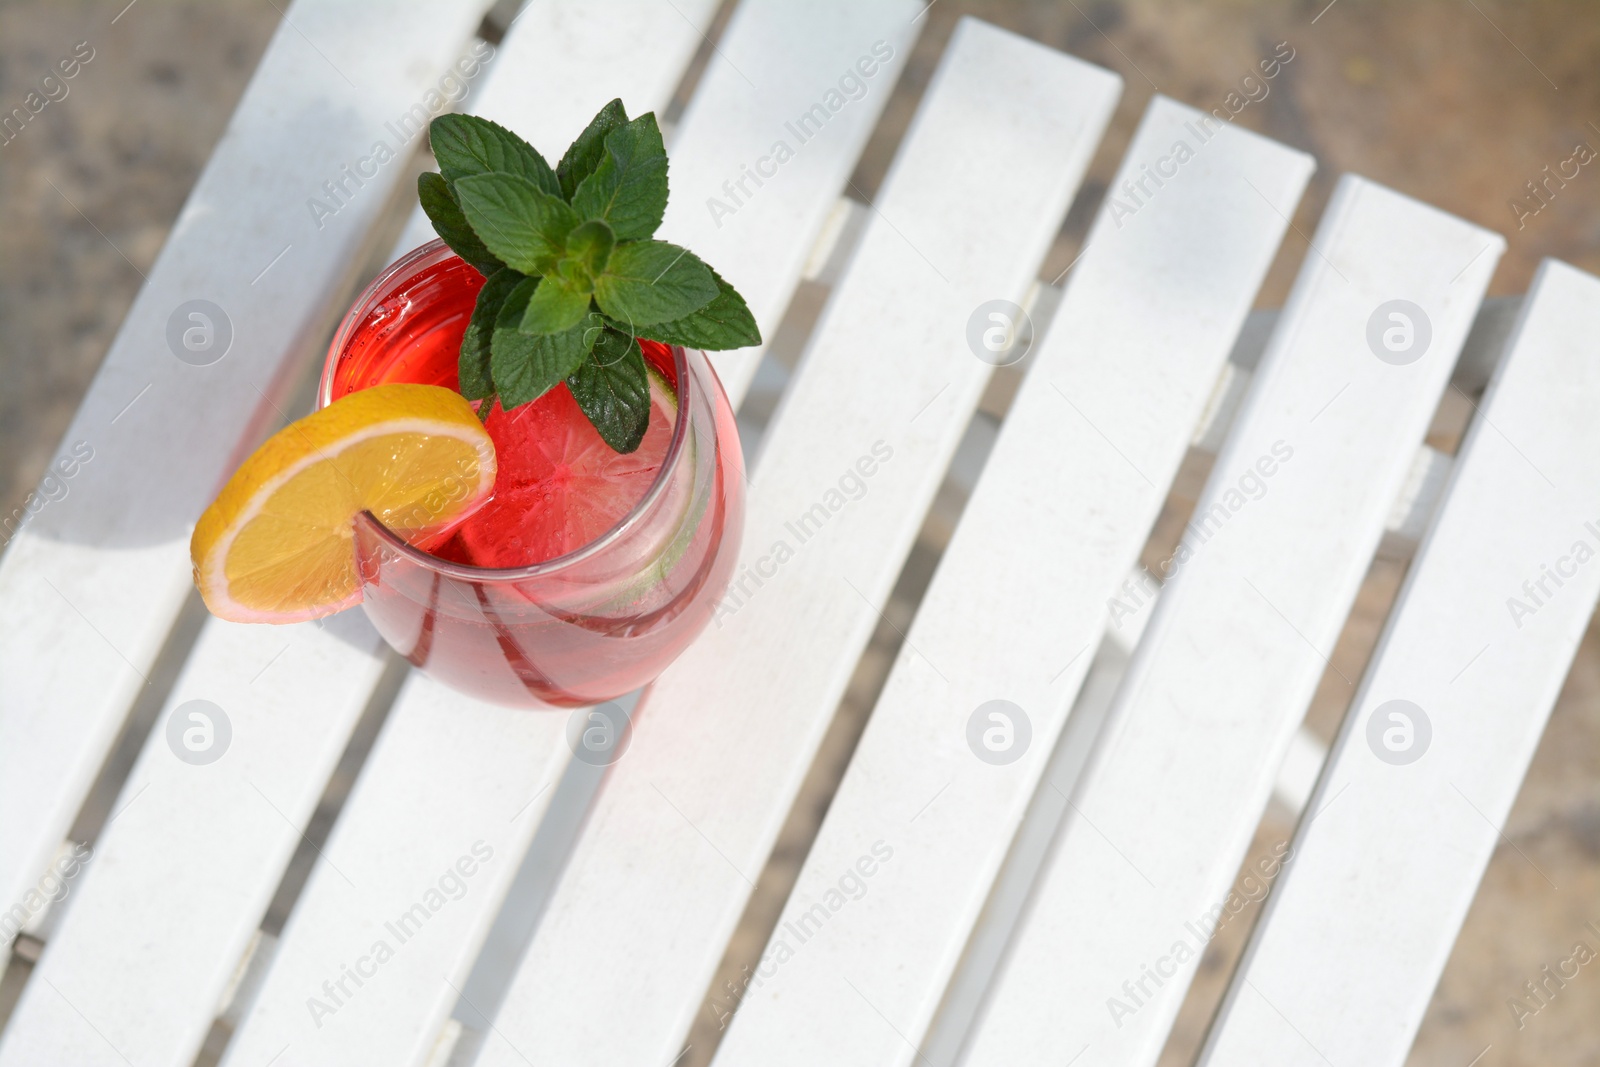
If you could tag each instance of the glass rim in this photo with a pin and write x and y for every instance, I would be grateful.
(409, 265)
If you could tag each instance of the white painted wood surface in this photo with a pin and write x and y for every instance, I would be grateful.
(723, 739)
(150, 940)
(1168, 804)
(92, 585)
(473, 796)
(757, 117)
(1150, 314)
(188, 938)
(550, 86)
(786, 216)
(184, 871)
(549, 42)
(1382, 879)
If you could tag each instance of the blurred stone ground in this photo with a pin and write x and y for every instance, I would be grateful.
(1456, 103)
(122, 150)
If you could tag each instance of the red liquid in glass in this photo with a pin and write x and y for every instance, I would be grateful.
(610, 621)
(559, 486)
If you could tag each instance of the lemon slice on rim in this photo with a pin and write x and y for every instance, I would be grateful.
(277, 543)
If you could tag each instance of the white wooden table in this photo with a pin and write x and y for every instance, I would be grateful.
(1039, 897)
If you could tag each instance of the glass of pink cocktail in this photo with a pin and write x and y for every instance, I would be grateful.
(588, 570)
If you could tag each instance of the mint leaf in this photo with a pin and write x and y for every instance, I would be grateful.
(585, 153)
(466, 145)
(575, 275)
(724, 323)
(555, 306)
(526, 366)
(555, 245)
(628, 188)
(652, 281)
(613, 390)
(523, 226)
(449, 223)
(591, 244)
(473, 367)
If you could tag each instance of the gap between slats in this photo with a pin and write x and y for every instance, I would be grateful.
(1302, 764)
(294, 391)
(543, 859)
(827, 260)
(297, 395)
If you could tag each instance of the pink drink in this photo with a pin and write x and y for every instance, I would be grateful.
(588, 571)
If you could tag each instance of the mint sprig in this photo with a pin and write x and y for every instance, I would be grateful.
(574, 276)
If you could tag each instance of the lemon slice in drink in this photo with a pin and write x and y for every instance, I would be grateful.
(276, 545)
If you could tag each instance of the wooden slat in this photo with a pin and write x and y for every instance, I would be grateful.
(1169, 801)
(92, 584)
(188, 938)
(786, 217)
(399, 839)
(185, 870)
(1382, 879)
(1149, 317)
(550, 84)
(688, 816)
(777, 61)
